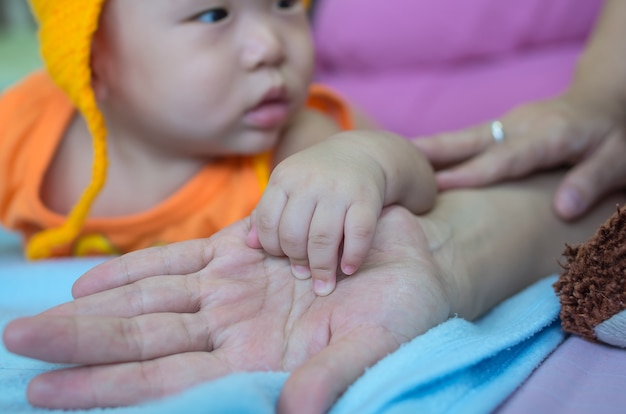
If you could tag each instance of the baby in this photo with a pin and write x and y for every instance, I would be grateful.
(169, 120)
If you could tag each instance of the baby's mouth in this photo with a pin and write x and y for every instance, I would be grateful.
(271, 112)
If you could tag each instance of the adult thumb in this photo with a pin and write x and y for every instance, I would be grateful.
(591, 179)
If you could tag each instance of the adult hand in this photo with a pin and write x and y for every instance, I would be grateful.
(568, 130)
(154, 322)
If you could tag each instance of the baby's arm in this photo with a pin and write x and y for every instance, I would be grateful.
(328, 197)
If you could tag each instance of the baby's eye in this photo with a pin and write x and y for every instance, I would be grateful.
(212, 16)
(287, 4)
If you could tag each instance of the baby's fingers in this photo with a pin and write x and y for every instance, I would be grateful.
(325, 237)
(267, 217)
(293, 233)
(359, 230)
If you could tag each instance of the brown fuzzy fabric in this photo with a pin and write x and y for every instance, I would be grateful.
(592, 287)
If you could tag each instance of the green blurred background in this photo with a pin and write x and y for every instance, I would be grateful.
(19, 53)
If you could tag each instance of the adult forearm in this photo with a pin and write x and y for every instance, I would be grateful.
(601, 71)
(503, 238)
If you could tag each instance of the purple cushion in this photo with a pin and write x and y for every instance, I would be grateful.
(420, 67)
(580, 377)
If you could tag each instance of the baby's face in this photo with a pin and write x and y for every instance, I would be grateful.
(203, 77)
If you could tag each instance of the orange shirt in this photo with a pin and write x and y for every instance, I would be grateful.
(33, 117)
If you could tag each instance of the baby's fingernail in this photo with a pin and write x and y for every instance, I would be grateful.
(322, 288)
(301, 272)
(348, 270)
(570, 203)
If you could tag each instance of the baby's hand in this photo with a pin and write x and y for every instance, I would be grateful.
(320, 209)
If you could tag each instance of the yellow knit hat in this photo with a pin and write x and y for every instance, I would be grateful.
(66, 30)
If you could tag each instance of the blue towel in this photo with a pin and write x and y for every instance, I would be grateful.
(458, 366)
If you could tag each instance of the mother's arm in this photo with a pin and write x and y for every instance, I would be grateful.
(167, 318)
(505, 237)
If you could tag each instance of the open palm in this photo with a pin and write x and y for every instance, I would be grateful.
(157, 321)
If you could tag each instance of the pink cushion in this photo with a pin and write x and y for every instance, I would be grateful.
(423, 66)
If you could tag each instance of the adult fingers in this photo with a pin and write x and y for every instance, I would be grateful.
(317, 384)
(539, 148)
(123, 384)
(151, 295)
(594, 177)
(172, 259)
(453, 147)
(104, 340)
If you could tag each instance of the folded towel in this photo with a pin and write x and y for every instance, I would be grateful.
(458, 366)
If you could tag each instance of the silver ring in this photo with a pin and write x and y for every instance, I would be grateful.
(497, 131)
